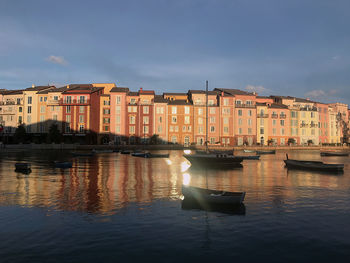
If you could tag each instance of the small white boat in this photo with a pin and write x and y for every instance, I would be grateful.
(248, 151)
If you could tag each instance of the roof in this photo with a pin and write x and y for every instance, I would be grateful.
(146, 92)
(133, 93)
(46, 91)
(174, 93)
(39, 88)
(81, 88)
(278, 106)
(120, 89)
(11, 92)
(179, 102)
(160, 99)
(236, 92)
(210, 92)
(61, 89)
(303, 100)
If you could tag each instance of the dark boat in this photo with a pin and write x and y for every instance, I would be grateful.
(125, 151)
(214, 160)
(102, 151)
(116, 150)
(313, 165)
(150, 155)
(63, 165)
(140, 154)
(334, 154)
(207, 196)
(266, 152)
(83, 154)
(249, 157)
(22, 166)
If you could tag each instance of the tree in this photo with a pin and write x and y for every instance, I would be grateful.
(54, 134)
(154, 139)
(309, 142)
(20, 134)
(269, 142)
(291, 141)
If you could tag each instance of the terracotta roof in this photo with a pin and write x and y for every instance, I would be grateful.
(61, 89)
(278, 106)
(160, 99)
(210, 92)
(236, 92)
(120, 89)
(39, 88)
(133, 93)
(179, 102)
(83, 88)
(174, 93)
(46, 91)
(11, 92)
(146, 92)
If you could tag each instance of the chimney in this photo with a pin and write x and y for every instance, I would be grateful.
(141, 89)
(33, 86)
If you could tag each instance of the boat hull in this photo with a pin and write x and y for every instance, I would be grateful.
(202, 195)
(210, 160)
(313, 165)
(63, 165)
(249, 157)
(333, 154)
(266, 152)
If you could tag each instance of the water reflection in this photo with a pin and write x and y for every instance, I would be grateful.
(108, 182)
(226, 209)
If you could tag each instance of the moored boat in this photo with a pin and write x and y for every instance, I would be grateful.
(313, 165)
(125, 151)
(209, 196)
(334, 154)
(214, 160)
(22, 166)
(83, 154)
(102, 151)
(266, 152)
(249, 157)
(63, 164)
(248, 151)
(158, 155)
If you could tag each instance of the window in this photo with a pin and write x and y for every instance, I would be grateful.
(173, 139)
(131, 129)
(106, 128)
(312, 131)
(41, 99)
(117, 119)
(42, 109)
(212, 119)
(117, 109)
(212, 128)
(261, 122)
(249, 130)
(225, 129)
(106, 120)
(29, 119)
(68, 118)
(81, 128)
(67, 128)
(118, 100)
(173, 110)
(20, 119)
(240, 113)
(159, 128)
(29, 109)
(225, 102)
(261, 130)
(249, 102)
(68, 109)
(42, 118)
(210, 102)
(20, 109)
(106, 102)
(294, 114)
(160, 110)
(200, 129)
(18, 101)
(282, 122)
(238, 102)
(200, 120)
(176, 128)
(171, 128)
(187, 110)
(282, 131)
(312, 114)
(250, 113)
(55, 97)
(184, 128)
(145, 109)
(274, 122)
(133, 101)
(68, 99)
(225, 120)
(240, 131)
(160, 119)
(200, 111)
(132, 119)
(187, 119)
(145, 129)
(54, 117)
(274, 131)
(173, 119)
(212, 140)
(82, 99)
(212, 110)
(29, 100)
(239, 121)
(81, 109)
(106, 111)
(189, 128)
(249, 121)
(146, 120)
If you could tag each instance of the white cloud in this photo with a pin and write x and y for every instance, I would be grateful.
(57, 60)
(257, 89)
(318, 93)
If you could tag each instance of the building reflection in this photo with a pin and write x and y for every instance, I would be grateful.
(107, 183)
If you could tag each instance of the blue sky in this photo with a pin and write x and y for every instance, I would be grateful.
(297, 47)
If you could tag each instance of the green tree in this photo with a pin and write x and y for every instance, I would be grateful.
(54, 134)
(291, 141)
(20, 134)
(154, 139)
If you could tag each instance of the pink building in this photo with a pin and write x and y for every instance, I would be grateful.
(119, 114)
(323, 122)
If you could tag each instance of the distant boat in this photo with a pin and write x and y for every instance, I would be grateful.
(313, 165)
(116, 150)
(249, 157)
(63, 165)
(266, 152)
(249, 151)
(150, 155)
(102, 151)
(214, 160)
(334, 154)
(83, 153)
(140, 154)
(23, 166)
(208, 196)
(125, 151)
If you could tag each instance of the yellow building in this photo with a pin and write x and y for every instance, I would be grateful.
(262, 123)
(11, 110)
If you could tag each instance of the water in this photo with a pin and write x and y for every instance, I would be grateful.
(119, 208)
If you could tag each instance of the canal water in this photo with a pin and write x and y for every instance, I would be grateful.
(119, 208)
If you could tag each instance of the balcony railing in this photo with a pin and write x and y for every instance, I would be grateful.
(304, 125)
(53, 102)
(8, 103)
(283, 116)
(74, 102)
(262, 115)
(274, 116)
(314, 125)
(245, 105)
(308, 108)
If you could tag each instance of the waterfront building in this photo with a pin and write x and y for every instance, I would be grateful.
(278, 123)
(334, 127)
(226, 117)
(262, 123)
(323, 120)
(31, 108)
(54, 112)
(341, 110)
(81, 111)
(11, 110)
(118, 114)
(160, 119)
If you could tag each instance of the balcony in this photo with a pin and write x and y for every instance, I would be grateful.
(53, 102)
(313, 125)
(8, 103)
(304, 125)
(308, 108)
(262, 115)
(274, 116)
(283, 116)
(244, 105)
(74, 102)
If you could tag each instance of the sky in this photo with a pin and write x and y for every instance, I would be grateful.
(296, 48)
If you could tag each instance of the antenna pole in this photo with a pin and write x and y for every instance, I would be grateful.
(206, 116)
